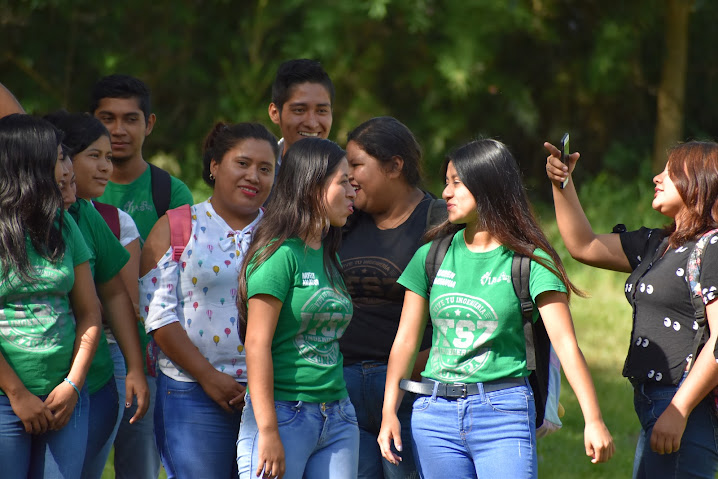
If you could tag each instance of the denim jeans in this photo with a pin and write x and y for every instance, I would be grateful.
(136, 455)
(365, 384)
(485, 435)
(698, 454)
(101, 427)
(195, 436)
(320, 441)
(53, 455)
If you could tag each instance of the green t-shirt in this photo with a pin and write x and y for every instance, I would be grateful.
(308, 365)
(136, 200)
(478, 328)
(37, 328)
(107, 258)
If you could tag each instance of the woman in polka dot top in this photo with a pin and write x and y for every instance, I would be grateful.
(672, 392)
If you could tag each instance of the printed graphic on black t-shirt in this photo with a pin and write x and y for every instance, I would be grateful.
(373, 259)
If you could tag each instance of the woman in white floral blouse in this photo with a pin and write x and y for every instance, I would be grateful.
(188, 303)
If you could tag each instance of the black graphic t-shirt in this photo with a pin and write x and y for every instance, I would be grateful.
(664, 325)
(373, 259)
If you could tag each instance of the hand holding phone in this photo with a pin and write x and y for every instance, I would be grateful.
(564, 149)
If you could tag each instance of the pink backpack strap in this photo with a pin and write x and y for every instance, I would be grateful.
(180, 219)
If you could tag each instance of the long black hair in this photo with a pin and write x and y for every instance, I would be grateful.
(30, 200)
(490, 172)
(297, 209)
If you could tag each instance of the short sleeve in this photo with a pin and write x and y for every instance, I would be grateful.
(709, 271)
(179, 193)
(635, 243)
(414, 276)
(543, 279)
(128, 228)
(74, 242)
(158, 302)
(275, 276)
(110, 255)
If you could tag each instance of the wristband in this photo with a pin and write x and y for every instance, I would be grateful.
(74, 386)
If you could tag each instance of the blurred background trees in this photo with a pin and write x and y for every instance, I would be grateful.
(626, 79)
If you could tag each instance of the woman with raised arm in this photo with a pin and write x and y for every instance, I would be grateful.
(188, 299)
(49, 312)
(475, 411)
(672, 385)
(298, 420)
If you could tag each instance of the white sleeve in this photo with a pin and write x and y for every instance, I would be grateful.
(128, 229)
(158, 294)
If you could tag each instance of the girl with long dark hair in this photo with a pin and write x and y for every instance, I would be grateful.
(297, 419)
(49, 312)
(89, 159)
(478, 343)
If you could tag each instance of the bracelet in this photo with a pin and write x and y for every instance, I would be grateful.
(74, 386)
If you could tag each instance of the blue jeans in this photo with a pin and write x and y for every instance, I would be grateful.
(320, 441)
(136, 455)
(365, 384)
(53, 455)
(195, 436)
(103, 416)
(698, 454)
(485, 435)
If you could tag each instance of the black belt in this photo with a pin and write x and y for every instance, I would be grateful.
(457, 390)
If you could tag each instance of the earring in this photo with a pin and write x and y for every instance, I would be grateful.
(211, 177)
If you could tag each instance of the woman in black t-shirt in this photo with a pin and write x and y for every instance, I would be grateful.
(671, 391)
(378, 242)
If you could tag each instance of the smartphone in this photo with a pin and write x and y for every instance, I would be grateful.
(564, 149)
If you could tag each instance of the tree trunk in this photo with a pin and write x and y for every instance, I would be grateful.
(672, 90)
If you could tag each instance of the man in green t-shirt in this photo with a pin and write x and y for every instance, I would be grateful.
(122, 104)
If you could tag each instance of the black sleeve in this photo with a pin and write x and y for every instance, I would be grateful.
(636, 243)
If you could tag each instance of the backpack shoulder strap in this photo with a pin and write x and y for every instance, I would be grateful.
(520, 274)
(180, 220)
(693, 278)
(436, 214)
(437, 253)
(161, 189)
(111, 216)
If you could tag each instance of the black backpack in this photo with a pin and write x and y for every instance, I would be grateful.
(538, 346)
(161, 189)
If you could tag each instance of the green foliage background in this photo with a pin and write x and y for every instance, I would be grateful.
(523, 71)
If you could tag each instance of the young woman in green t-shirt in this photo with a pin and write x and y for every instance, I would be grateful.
(45, 277)
(298, 420)
(478, 341)
(112, 386)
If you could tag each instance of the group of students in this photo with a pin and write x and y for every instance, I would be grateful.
(292, 312)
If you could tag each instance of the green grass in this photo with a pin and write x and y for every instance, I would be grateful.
(603, 326)
(109, 471)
